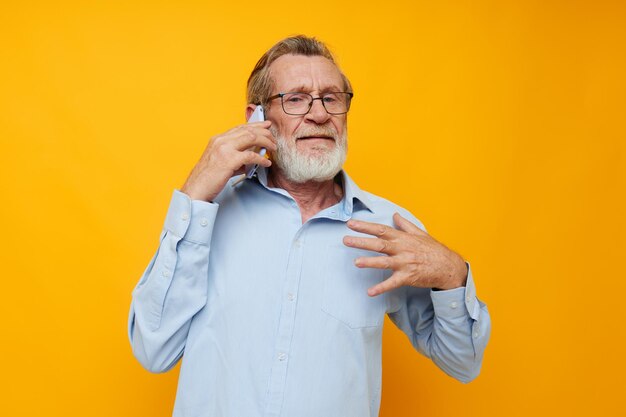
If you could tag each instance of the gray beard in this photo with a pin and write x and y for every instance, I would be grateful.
(300, 168)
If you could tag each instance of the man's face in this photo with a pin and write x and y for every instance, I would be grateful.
(316, 138)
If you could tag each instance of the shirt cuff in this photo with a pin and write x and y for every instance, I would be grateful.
(191, 220)
(457, 301)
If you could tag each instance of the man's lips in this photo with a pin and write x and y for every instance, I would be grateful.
(316, 137)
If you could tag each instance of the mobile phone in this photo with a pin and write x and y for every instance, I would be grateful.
(257, 116)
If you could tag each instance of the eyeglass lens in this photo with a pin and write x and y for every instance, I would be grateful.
(300, 103)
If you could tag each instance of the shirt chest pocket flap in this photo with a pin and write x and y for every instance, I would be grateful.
(345, 288)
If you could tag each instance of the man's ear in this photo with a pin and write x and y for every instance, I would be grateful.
(249, 110)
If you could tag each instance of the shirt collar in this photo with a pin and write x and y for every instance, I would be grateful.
(354, 198)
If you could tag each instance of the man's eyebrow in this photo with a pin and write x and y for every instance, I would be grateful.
(303, 89)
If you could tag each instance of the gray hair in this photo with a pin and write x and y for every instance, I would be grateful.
(260, 83)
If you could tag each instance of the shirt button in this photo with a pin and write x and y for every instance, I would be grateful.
(467, 298)
(166, 274)
(204, 222)
(298, 243)
(185, 216)
(291, 297)
(475, 335)
(454, 304)
(282, 356)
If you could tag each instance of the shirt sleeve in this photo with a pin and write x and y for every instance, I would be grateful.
(451, 327)
(173, 287)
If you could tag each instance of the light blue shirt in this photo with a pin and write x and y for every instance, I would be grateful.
(272, 316)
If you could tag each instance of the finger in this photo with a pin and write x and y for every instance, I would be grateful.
(406, 226)
(264, 133)
(378, 262)
(370, 243)
(375, 229)
(246, 126)
(251, 157)
(249, 138)
(259, 130)
(389, 284)
(264, 124)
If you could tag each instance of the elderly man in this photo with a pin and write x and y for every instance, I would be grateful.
(275, 289)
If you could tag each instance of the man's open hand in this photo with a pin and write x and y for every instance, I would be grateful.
(415, 258)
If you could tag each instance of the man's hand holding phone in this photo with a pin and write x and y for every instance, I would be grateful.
(227, 155)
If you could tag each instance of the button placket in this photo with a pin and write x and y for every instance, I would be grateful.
(286, 326)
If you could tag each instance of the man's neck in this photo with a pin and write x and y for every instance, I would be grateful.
(311, 196)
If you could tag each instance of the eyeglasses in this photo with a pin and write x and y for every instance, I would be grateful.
(299, 104)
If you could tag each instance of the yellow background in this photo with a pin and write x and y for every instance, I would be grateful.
(501, 125)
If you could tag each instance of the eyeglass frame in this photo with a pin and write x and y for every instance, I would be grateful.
(282, 103)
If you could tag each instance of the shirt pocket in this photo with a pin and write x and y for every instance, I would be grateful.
(345, 289)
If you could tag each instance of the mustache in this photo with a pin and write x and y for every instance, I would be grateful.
(317, 131)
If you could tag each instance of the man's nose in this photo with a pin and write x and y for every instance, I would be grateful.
(317, 113)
